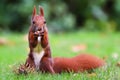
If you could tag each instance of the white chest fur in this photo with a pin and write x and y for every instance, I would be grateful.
(38, 54)
(37, 58)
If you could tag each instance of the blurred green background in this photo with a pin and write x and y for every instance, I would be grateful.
(75, 26)
(62, 15)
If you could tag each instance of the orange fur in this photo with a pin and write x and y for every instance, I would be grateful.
(80, 63)
(37, 29)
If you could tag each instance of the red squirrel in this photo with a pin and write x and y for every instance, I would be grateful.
(40, 53)
(40, 58)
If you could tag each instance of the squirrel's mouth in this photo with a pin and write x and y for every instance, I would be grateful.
(39, 35)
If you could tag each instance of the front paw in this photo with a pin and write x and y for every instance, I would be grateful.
(36, 34)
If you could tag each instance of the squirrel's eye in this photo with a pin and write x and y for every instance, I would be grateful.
(33, 22)
(44, 22)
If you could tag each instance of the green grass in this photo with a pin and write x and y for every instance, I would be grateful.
(100, 44)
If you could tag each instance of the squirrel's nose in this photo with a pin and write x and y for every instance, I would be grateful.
(39, 29)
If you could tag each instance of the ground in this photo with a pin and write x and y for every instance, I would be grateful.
(14, 50)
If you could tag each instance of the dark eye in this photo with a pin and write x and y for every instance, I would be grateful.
(33, 22)
(44, 22)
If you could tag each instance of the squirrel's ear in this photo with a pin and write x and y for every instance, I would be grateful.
(34, 12)
(41, 11)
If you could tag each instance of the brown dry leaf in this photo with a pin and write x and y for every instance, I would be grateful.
(3, 41)
(11, 43)
(92, 74)
(80, 47)
(118, 64)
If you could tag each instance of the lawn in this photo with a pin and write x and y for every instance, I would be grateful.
(105, 45)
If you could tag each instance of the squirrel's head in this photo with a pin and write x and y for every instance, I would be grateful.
(38, 21)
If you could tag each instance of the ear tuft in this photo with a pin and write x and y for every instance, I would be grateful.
(41, 11)
(34, 12)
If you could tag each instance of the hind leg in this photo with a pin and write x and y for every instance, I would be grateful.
(47, 65)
